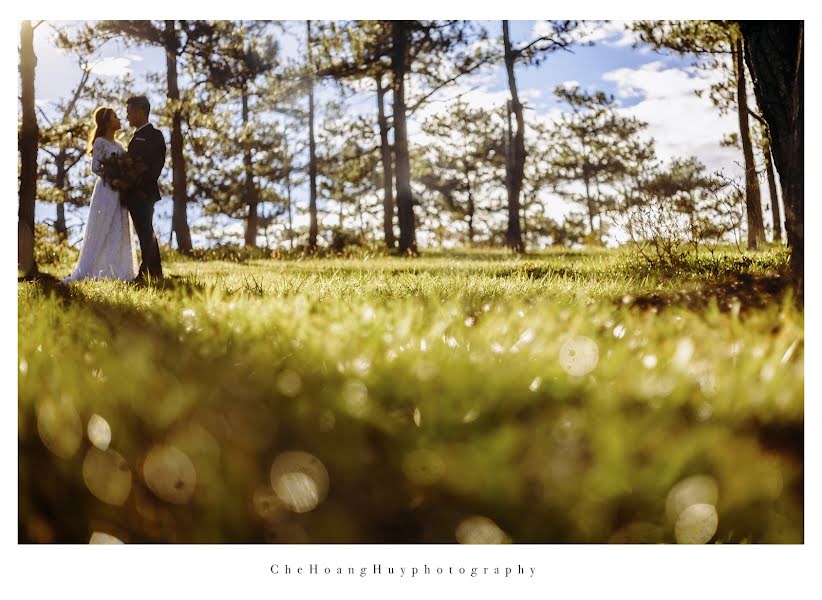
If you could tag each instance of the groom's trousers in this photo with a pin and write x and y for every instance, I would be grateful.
(142, 214)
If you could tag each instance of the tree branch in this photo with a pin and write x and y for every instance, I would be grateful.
(758, 117)
(554, 45)
(80, 87)
(42, 112)
(412, 108)
(74, 162)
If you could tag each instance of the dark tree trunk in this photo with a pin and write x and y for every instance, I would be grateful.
(28, 143)
(387, 168)
(775, 212)
(405, 200)
(290, 218)
(179, 219)
(312, 150)
(592, 212)
(470, 212)
(515, 168)
(250, 190)
(362, 218)
(509, 143)
(60, 226)
(288, 192)
(525, 207)
(753, 197)
(591, 205)
(60, 183)
(774, 51)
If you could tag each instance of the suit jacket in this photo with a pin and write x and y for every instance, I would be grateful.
(148, 146)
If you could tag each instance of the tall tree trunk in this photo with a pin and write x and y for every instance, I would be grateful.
(753, 197)
(591, 208)
(288, 191)
(28, 143)
(774, 51)
(509, 143)
(60, 183)
(516, 166)
(179, 219)
(525, 206)
(471, 209)
(775, 212)
(312, 150)
(360, 212)
(250, 190)
(405, 199)
(60, 226)
(387, 168)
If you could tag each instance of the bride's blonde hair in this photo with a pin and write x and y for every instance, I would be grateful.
(101, 116)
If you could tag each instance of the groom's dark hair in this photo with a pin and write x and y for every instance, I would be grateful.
(140, 102)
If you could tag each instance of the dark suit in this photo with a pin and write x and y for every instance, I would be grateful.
(149, 147)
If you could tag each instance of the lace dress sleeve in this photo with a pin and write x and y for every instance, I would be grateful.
(99, 152)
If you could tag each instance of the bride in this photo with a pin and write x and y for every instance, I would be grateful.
(108, 250)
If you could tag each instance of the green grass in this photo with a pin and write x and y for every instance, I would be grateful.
(430, 389)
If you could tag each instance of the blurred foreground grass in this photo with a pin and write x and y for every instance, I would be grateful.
(559, 397)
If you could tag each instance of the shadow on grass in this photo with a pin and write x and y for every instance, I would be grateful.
(371, 489)
(51, 284)
(744, 292)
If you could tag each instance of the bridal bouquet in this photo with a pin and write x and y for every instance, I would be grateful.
(122, 172)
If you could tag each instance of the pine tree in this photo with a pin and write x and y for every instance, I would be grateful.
(240, 63)
(465, 156)
(718, 45)
(534, 52)
(594, 146)
(434, 53)
(356, 53)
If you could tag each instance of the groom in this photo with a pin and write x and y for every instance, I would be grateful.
(147, 147)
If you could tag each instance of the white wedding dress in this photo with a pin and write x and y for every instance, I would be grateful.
(108, 250)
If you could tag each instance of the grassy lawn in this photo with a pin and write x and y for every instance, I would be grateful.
(559, 397)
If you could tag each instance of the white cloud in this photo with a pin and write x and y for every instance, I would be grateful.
(114, 66)
(607, 33)
(682, 123)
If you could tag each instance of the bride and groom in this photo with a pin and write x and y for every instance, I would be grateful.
(108, 251)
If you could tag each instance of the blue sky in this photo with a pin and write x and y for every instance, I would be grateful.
(656, 88)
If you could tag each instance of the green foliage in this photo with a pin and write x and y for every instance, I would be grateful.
(674, 211)
(350, 165)
(464, 160)
(342, 239)
(711, 43)
(430, 391)
(221, 252)
(231, 125)
(50, 249)
(592, 148)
